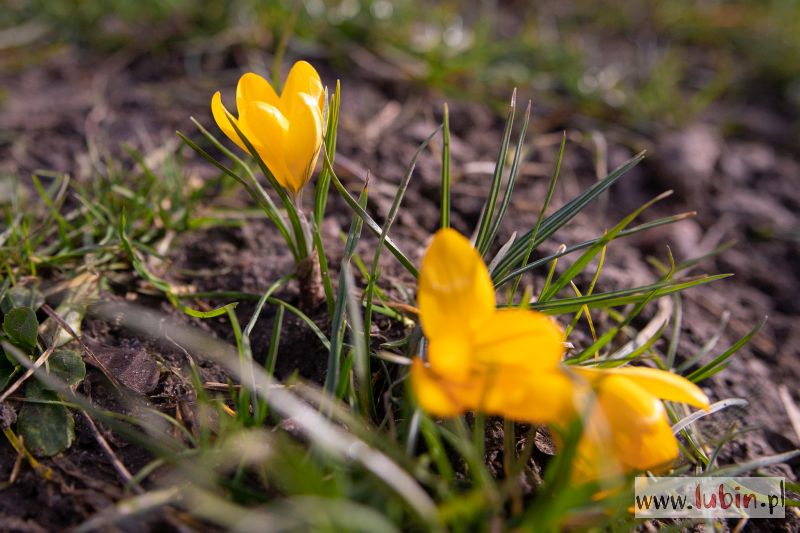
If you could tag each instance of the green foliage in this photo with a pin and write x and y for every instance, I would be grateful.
(20, 325)
(21, 296)
(68, 366)
(45, 424)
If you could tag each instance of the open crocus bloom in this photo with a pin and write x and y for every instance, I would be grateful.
(285, 130)
(502, 362)
(627, 426)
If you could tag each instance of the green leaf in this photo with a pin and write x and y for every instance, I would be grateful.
(487, 215)
(621, 297)
(21, 326)
(445, 206)
(721, 360)
(335, 372)
(368, 220)
(578, 266)
(566, 213)
(68, 366)
(519, 154)
(48, 428)
(20, 296)
(324, 180)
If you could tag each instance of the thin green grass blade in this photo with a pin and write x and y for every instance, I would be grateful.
(716, 365)
(371, 224)
(535, 233)
(324, 180)
(363, 383)
(677, 323)
(621, 297)
(245, 365)
(445, 207)
(263, 200)
(321, 194)
(254, 183)
(578, 266)
(324, 271)
(549, 279)
(274, 342)
(387, 225)
(612, 332)
(589, 292)
(585, 244)
(512, 178)
(437, 451)
(566, 213)
(487, 215)
(708, 346)
(260, 406)
(305, 318)
(54, 205)
(333, 374)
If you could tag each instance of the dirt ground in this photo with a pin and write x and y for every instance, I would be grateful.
(70, 105)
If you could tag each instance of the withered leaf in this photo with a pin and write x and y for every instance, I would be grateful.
(134, 367)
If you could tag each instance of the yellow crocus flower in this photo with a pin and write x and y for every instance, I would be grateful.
(627, 428)
(285, 130)
(497, 361)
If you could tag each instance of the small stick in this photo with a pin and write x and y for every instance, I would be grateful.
(17, 465)
(121, 469)
(17, 384)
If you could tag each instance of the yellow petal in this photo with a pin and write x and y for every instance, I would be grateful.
(638, 426)
(303, 140)
(302, 79)
(519, 338)
(431, 393)
(221, 118)
(595, 460)
(659, 448)
(455, 292)
(660, 383)
(451, 357)
(535, 396)
(254, 88)
(268, 127)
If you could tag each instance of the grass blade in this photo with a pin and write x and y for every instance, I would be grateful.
(512, 178)
(718, 363)
(445, 209)
(487, 215)
(578, 266)
(621, 297)
(370, 222)
(566, 213)
(333, 374)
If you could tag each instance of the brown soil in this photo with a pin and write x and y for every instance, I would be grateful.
(69, 103)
